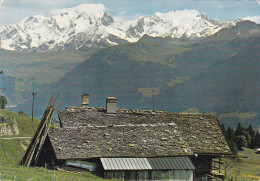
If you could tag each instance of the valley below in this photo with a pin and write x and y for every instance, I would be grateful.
(25, 72)
(221, 77)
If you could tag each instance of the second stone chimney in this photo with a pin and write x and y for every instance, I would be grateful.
(85, 100)
(111, 105)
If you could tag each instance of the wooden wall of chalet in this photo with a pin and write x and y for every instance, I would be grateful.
(133, 175)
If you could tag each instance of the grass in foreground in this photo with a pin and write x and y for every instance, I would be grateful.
(31, 173)
(13, 149)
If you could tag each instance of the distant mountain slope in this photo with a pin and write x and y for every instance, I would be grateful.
(240, 29)
(228, 85)
(90, 26)
(218, 76)
(24, 73)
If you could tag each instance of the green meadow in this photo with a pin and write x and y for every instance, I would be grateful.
(13, 148)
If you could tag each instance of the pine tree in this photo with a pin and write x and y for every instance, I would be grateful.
(241, 142)
(240, 130)
(256, 141)
(3, 102)
(251, 136)
(230, 135)
(241, 137)
(251, 131)
(223, 129)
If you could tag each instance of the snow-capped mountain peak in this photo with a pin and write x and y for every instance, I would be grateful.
(89, 25)
(177, 16)
(92, 10)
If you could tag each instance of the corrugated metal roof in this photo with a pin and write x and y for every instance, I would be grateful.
(125, 164)
(176, 163)
(163, 163)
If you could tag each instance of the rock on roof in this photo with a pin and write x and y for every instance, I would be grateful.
(92, 133)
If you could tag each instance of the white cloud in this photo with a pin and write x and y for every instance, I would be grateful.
(9, 15)
(121, 16)
(177, 16)
(255, 19)
(13, 11)
(129, 17)
(94, 9)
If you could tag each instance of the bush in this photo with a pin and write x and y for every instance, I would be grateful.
(21, 112)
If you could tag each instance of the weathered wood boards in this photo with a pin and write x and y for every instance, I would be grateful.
(31, 155)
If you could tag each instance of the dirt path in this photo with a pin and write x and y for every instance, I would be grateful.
(11, 138)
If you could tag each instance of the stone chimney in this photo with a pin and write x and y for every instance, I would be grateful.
(111, 105)
(85, 100)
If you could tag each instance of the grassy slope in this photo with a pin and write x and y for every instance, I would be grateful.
(41, 174)
(11, 152)
(24, 122)
(147, 51)
(249, 169)
(250, 166)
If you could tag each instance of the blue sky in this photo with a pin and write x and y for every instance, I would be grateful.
(12, 11)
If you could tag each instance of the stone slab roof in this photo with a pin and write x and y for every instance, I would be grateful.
(119, 140)
(92, 133)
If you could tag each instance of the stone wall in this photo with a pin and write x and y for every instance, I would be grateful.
(8, 130)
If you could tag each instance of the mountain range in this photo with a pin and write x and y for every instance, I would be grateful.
(221, 77)
(180, 61)
(90, 26)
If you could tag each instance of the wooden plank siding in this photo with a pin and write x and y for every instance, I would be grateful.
(162, 175)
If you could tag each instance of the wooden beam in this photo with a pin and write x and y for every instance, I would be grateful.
(32, 153)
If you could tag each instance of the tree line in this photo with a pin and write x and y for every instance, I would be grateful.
(241, 137)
